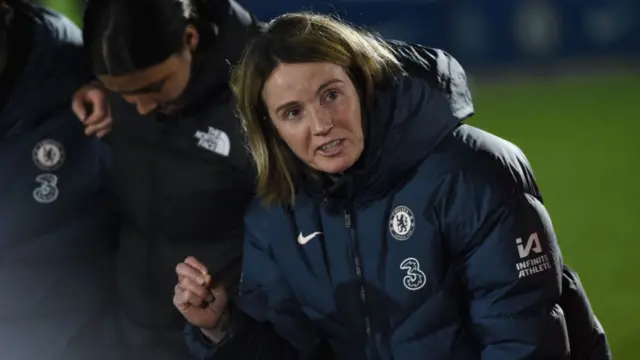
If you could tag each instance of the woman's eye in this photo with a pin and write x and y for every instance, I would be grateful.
(292, 113)
(331, 95)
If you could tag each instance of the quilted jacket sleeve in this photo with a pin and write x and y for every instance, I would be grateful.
(512, 268)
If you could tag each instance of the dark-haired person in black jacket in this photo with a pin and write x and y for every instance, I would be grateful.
(182, 172)
(56, 228)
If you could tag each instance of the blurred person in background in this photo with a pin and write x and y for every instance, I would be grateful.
(182, 171)
(57, 232)
(385, 225)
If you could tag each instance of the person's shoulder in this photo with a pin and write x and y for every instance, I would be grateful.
(63, 40)
(54, 28)
(53, 66)
(482, 149)
(57, 54)
(481, 162)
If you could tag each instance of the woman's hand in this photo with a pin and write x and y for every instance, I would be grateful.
(201, 303)
(90, 105)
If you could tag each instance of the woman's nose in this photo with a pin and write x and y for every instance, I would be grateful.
(322, 122)
(143, 105)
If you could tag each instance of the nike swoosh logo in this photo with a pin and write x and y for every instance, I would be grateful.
(305, 239)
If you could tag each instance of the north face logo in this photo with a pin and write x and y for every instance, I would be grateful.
(214, 140)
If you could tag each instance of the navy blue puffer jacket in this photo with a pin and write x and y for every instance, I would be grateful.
(57, 231)
(436, 245)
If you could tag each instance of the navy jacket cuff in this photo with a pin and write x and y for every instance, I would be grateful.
(199, 345)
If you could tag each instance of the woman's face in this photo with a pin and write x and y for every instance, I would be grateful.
(153, 88)
(156, 87)
(316, 110)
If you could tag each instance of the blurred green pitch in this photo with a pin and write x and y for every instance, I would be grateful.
(582, 137)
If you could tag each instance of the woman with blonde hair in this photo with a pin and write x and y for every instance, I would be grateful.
(386, 228)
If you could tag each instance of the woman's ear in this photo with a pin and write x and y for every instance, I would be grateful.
(191, 37)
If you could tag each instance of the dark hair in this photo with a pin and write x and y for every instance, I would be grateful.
(123, 36)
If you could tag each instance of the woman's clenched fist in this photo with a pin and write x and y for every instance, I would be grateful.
(201, 302)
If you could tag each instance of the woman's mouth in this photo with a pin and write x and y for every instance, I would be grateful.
(332, 148)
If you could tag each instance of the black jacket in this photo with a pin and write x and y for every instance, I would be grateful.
(183, 181)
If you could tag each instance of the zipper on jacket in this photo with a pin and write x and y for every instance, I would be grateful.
(358, 266)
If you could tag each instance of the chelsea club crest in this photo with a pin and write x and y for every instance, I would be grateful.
(402, 223)
(48, 155)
